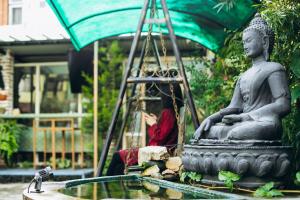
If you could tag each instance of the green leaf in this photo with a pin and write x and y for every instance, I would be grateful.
(260, 192)
(183, 176)
(222, 176)
(9, 134)
(229, 184)
(298, 176)
(268, 186)
(274, 193)
(267, 191)
(228, 178)
(295, 92)
(226, 175)
(295, 63)
(194, 176)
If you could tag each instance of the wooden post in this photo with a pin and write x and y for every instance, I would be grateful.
(73, 143)
(96, 46)
(79, 102)
(81, 149)
(36, 112)
(63, 148)
(37, 91)
(45, 146)
(53, 144)
(34, 143)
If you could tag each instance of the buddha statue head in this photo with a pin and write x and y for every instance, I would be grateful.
(258, 38)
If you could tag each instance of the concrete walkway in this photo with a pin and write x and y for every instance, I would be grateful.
(12, 191)
(17, 175)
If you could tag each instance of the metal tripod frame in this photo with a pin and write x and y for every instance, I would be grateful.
(127, 79)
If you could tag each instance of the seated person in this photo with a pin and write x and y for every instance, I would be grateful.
(162, 131)
(261, 96)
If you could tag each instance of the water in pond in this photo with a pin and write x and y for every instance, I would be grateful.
(127, 189)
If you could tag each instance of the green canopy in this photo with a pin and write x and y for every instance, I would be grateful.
(199, 20)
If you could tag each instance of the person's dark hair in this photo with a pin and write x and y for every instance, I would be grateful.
(166, 96)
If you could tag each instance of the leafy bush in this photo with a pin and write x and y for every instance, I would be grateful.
(9, 133)
(267, 191)
(109, 80)
(284, 18)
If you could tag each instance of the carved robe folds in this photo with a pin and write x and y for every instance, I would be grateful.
(263, 94)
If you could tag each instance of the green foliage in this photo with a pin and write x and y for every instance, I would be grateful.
(25, 164)
(267, 191)
(60, 163)
(210, 79)
(228, 178)
(295, 64)
(284, 17)
(109, 80)
(297, 180)
(291, 134)
(9, 133)
(192, 176)
(228, 4)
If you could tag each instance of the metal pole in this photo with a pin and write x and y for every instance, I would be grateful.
(122, 89)
(95, 94)
(156, 52)
(180, 64)
(118, 145)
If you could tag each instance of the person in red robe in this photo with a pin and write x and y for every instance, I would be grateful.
(162, 131)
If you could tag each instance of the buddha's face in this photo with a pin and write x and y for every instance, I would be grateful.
(253, 43)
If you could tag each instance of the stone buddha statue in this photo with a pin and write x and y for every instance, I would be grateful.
(261, 96)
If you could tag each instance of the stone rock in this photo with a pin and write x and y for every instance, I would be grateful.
(151, 171)
(168, 171)
(152, 153)
(174, 194)
(150, 186)
(174, 163)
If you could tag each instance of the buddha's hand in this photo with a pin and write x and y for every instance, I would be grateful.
(231, 119)
(205, 126)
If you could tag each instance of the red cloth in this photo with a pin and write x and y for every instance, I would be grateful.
(163, 133)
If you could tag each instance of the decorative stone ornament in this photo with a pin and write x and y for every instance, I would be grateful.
(244, 137)
(7, 63)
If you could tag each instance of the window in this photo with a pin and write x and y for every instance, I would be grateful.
(51, 95)
(15, 12)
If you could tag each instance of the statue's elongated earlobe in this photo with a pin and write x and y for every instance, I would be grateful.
(266, 44)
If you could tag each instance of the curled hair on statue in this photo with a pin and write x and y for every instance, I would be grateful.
(259, 25)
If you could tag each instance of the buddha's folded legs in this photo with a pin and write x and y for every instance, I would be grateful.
(250, 130)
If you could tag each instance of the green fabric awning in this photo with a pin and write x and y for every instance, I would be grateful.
(89, 20)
